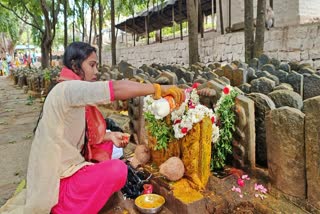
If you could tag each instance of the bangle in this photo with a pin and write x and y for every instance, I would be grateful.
(157, 91)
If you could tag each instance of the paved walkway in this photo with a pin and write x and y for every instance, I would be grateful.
(17, 120)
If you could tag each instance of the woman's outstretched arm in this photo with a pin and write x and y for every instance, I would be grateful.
(126, 89)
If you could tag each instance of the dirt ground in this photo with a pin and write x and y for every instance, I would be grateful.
(18, 116)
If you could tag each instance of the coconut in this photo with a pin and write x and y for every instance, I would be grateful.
(172, 169)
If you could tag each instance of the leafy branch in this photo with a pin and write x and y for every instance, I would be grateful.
(160, 130)
(226, 116)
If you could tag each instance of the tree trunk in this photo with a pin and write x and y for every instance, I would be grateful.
(221, 17)
(65, 16)
(180, 14)
(113, 37)
(95, 41)
(248, 30)
(100, 33)
(73, 22)
(83, 25)
(260, 28)
(45, 51)
(192, 10)
(91, 20)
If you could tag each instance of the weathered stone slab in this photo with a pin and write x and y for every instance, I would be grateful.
(123, 65)
(262, 104)
(262, 85)
(254, 63)
(263, 59)
(225, 80)
(228, 72)
(283, 86)
(218, 87)
(311, 86)
(172, 77)
(251, 74)
(239, 76)
(286, 153)
(219, 72)
(282, 75)
(246, 88)
(306, 70)
(268, 67)
(275, 63)
(245, 139)
(211, 75)
(294, 65)
(286, 98)
(311, 108)
(129, 72)
(285, 67)
(296, 81)
(137, 122)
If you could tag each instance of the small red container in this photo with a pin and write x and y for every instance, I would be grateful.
(147, 189)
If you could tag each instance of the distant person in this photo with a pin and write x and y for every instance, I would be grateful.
(1, 72)
(5, 67)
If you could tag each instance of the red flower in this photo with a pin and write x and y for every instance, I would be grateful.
(195, 85)
(212, 120)
(177, 121)
(191, 105)
(184, 130)
(226, 90)
(240, 182)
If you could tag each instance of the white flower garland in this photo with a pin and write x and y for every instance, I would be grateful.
(189, 113)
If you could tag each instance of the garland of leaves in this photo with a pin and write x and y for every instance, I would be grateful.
(226, 115)
(160, 130)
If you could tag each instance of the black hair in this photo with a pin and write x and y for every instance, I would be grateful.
(74, 55)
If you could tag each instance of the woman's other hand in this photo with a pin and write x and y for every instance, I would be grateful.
(119, 139)
(207, 92)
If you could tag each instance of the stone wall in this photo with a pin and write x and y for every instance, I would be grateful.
(301, 43)
(296, 12)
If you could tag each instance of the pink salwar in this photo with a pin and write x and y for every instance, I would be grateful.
(87, 191)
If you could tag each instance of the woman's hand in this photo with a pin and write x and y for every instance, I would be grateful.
(119, 139)
(207, 92)
(169, 90)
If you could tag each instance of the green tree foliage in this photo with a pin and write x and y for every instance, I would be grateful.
(9, 24)
(41, 15)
